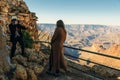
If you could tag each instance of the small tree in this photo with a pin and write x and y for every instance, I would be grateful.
(28, 41)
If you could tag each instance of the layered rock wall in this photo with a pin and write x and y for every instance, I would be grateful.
(18, 9)
(10, 9)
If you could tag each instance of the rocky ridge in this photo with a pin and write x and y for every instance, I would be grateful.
(22, 68)
(81, 36)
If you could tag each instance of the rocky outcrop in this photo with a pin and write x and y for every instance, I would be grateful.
(4, 66)
(20, 72)
(26, 68)
(18, 9)
(30, 67)
(31, 75)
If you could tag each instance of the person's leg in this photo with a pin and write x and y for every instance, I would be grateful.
(63, 63)
(20, 40)
(57, 72)
(50, 60)
(49, 71)
(57, 62)
(13, 49)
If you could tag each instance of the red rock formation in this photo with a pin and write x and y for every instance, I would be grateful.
(114, 51)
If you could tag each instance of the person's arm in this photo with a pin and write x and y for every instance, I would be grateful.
(22, 27)
(55, 36)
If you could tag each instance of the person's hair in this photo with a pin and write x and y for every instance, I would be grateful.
(60, 23)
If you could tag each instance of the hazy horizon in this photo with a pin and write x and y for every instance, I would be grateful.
(79, 24)
(102, 12)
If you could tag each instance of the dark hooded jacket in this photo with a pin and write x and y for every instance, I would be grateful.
(13, 29)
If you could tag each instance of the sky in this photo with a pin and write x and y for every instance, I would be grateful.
(104, 12)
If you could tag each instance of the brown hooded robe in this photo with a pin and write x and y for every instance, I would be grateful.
(57, 61)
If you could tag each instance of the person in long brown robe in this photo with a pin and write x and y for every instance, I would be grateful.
(56, 59)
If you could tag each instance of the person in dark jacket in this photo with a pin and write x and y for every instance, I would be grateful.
(16, 36)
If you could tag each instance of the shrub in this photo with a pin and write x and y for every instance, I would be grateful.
(28, 41)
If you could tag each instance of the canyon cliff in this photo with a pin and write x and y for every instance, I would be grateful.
(22, 68)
